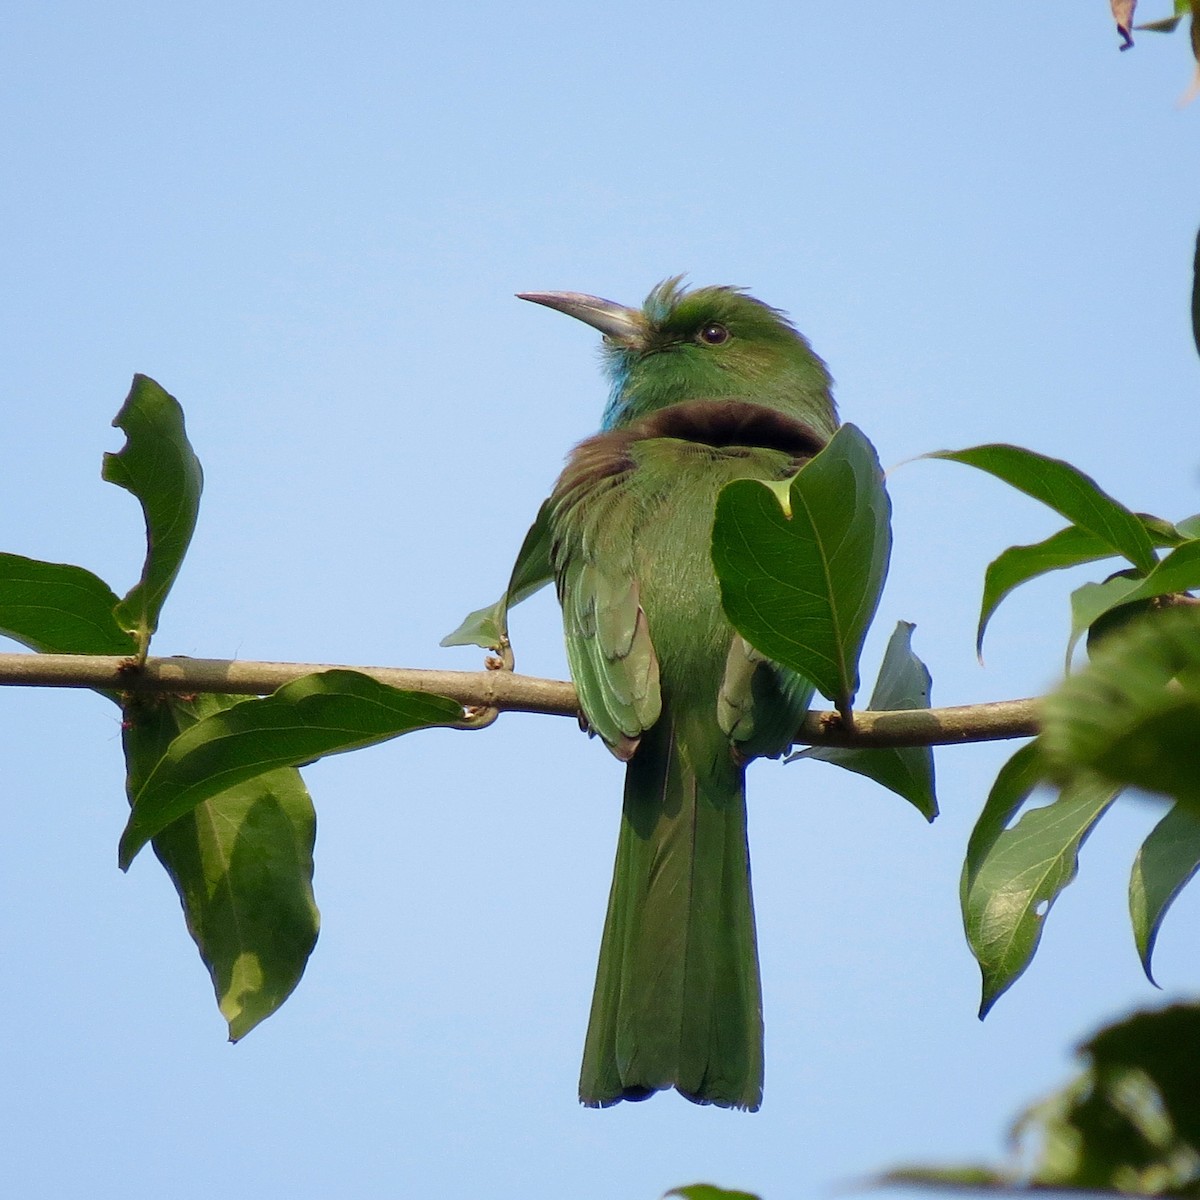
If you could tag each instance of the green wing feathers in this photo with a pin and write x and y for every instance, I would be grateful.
(612, 661)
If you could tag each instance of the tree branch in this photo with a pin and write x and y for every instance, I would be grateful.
(502, 690)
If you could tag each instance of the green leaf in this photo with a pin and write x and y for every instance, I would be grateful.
(706, 1191)
(904, 683)
(1018, 564)
(241, 862)
(1014, 875)
(1068, 491)
(56, 608)
(802, 586)
(1178, 572)
(488, 627)
(1167, 860)
(157, 465)
(1133, 714)
(326, 713)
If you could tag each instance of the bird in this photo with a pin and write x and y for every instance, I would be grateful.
(707, 385)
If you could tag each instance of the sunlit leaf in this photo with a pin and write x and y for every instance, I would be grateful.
(1068, 491)
(904, 683)
(1013, 875)
(326, 713)
(802, 585)
(241, 862)
(56, 608)
(158, 466)
(1167, 860)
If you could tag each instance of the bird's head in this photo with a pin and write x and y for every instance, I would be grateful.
(710, 343)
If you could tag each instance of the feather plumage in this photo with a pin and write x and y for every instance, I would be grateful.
(709, 386)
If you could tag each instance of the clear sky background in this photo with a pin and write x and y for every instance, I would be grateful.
(308, 222)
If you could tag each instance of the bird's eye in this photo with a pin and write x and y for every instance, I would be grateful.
(714, 334)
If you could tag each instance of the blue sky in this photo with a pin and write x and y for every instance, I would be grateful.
(308, 225)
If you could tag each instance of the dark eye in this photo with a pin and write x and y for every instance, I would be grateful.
(713, 334)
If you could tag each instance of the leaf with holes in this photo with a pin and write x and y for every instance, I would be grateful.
(1013, 876)
(158, 466)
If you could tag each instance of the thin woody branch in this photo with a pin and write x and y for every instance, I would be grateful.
(502, 690)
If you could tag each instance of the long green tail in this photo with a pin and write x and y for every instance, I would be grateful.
(678, 1001)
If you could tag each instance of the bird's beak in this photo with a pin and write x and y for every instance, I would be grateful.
(613, 320)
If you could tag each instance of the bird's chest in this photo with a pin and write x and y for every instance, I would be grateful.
(674, 485)
(644, 509)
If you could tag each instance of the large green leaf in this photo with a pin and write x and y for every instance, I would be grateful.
(1133, 714)
(801, 570)
(1014, 875)
(56, 608)
(1167, 860)
(904, 683)
(326, 713)
(158, 466)
(1068, 491)
(241, 862)
(488, 626)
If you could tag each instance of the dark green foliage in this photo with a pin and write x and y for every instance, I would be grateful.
(1129, 718)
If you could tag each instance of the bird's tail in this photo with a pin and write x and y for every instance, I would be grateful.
(678, 1001)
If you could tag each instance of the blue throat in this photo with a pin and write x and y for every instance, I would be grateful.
(617, 368)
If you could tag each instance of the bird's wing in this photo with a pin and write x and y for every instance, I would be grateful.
(609, 650)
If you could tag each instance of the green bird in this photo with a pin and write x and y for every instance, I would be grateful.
(708, 386)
